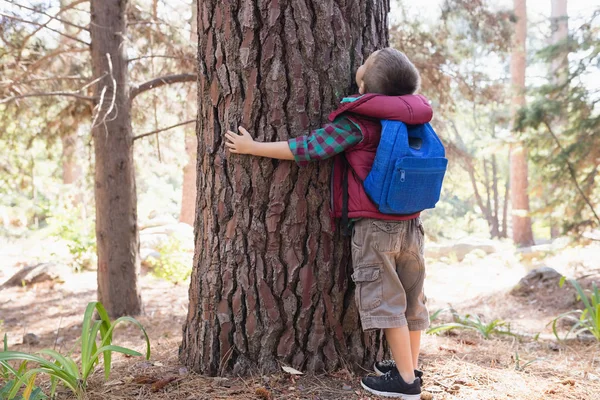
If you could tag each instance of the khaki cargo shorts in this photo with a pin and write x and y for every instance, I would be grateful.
(389, 272)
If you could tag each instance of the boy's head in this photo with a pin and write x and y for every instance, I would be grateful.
(389, 72)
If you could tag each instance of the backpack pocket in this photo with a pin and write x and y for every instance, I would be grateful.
(416, 185)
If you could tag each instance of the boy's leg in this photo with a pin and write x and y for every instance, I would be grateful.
(415, 347)
(401, 346)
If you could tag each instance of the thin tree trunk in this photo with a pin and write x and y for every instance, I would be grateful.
(521, 220)
(559, 73)
(495, 212)
(116, 216)
(504, 233)
(188, 195)
(270, 276)
(70, 165)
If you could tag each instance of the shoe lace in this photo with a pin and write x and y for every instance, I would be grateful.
(387, 376)
(388, 363)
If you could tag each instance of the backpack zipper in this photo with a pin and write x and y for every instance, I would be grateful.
(402, 175)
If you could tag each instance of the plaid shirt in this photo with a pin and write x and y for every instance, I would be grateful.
(326, 142)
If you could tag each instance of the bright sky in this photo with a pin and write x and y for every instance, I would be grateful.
(536, 9)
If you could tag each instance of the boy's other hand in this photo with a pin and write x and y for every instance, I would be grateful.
(239, 144)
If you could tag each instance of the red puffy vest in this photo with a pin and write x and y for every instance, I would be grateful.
(367, 111)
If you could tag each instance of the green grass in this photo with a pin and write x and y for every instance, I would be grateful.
(96, 346)
(586, 320)
(470, 322)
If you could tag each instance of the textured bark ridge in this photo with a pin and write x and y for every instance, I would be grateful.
(267, 286)
(114, 182)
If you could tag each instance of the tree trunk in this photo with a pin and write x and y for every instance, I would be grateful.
(270, 280)
(559, 74)
(521, 221)
(495, 212)
(70, 167)
(116, 216)
(188, 193)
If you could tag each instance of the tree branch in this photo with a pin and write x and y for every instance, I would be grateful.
(46, 94)
(572, 172)
(55, 17)
(163, 129)
(161, 56)
(161, 81)
(44, 26)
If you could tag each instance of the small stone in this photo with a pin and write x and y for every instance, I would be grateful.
(426, 396)
(346, 387)
(183, 371)
(31, 339)
(291, 388)
(60, 339)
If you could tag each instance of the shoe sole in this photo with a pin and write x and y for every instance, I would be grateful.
(391, 394)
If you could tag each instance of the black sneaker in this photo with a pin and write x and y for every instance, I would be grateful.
(382, 367)
(392, 385)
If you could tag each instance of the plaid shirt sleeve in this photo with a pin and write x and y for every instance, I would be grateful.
(326, 142)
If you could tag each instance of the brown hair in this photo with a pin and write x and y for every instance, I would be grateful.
(392, 74)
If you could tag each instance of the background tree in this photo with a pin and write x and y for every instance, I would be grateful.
(188, 192)
(566, 151)
(521, 220)
(270, 272)
(65, 91)
(454, 55)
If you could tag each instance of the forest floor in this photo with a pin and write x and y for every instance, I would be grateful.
(459, 365)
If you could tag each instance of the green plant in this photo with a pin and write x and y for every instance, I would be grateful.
(588, 319)
(31, 392)
(519, 367)
(470, 322)
(78, 233)
(174, 263)
(64, 369)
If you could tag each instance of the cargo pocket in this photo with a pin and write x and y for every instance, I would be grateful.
(369, 286)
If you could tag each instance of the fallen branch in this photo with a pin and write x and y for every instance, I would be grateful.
(161, 81)
(163, 129)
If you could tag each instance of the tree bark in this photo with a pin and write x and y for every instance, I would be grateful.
(188, 192)
(115, 192)
(270, 280)
(521, 220)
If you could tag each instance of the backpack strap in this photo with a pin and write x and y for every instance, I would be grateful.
(345, 195)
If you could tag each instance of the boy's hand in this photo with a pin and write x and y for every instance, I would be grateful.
(239, 144)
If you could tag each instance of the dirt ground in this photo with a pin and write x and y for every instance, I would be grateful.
(459, 365)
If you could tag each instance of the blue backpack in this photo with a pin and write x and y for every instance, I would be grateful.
(408, 170)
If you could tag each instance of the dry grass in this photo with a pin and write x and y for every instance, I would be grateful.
(459, 365)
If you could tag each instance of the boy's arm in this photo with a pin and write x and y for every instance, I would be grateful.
(244, 144)
(321, 144)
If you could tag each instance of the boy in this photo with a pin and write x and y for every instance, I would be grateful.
(387, 250)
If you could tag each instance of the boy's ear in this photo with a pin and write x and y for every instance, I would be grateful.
(361, 88)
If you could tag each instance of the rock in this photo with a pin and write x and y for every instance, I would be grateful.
(460, 248)
(32, 274)
(593, 235)
(158, 220)
(147, 253)
(346, 387)
(31, 339)
(152, 238)
(542, 276)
